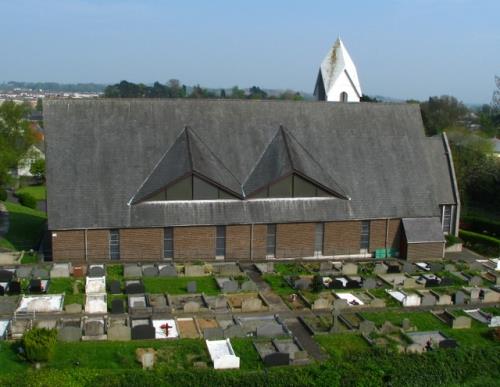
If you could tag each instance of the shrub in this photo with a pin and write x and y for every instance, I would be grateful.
(27, 199)
(39, 344)
(480, 225)
(452, 240)
(483, 244)
(317, 284)
(3, 194)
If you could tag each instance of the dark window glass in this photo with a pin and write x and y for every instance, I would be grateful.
(182, 190)
(302, 188)
(203, 190)
(271, 240)
(365, 234)
(168, 242)
(281, 189)
(318, 240)
(114, 244)
(344, 97)
(220, 241)
(446, 221)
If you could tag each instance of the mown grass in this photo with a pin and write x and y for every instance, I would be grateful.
(39, 192)
(178, 285)
(290, 268)
(29, 258)
(278, 284)
(66, 286)
(25, 227)
(249, 358)
(342, 344)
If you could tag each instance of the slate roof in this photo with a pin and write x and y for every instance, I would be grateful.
(102, 153)
(420, 230)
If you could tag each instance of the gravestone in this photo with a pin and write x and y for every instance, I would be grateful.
(229, 269)
(406, 324)
(168, 271)
(41, 273)
(213, 333)
(321, 303)
(115, 287)
(491, 296)
(191, 287)
(475, 281)
(377, 303)
(302, 283)
(94, 328)
(117, 306)
(24, 272)
(436, 267)
(251, 305)
(432, 282)
(69, 334)
(380, 268)
(494, 322)
(393, 268)
(325, 266)
(6, 275)
(446, 282)
(270, 329)
(230, 286)
(35, 286)
(459, 298)
(2, 290)
(149, 271)
(73, 308)
(461, 322)
(352, 284)
(409, 268)
(427, 299)
(60, 270)
(415, 348)
(349, 268)
(15, 287)
(194, 270)
(409, 283)
(220, 302)
(96, 271)
(191, 307)
(276, 359)
(340, 304)
(249, 286)
(337, 284)
(134, 287)
(448, 344)
(78, 271)
(47, 324)
(388, 328)
(366, 327)
(147, 357)
(234, 331)
(450, 267)
(119, 333)
(474, 294)
(476, 266)
(369, 283)
(132, 271)
(143, 332)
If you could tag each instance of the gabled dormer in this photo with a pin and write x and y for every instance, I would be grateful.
(286, 170)
(189, 170)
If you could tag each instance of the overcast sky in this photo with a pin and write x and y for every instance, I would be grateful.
(402, 48)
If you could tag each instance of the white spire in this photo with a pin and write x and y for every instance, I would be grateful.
(338, 78)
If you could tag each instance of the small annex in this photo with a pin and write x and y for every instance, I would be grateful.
(242, 180)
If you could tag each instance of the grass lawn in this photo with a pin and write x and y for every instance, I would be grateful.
(249, 358)
(114, 272)
(278, 284)
(10, 362)
(39, 192)
(178, 285)
(340, 344)
(65, 285)
(29, 258)
(290, 268)
(25, 229)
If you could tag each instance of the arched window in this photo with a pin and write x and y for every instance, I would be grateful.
(343, 97)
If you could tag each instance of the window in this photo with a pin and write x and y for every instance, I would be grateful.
(365, 235)
(292, 186)
(220, 241)
(114, 244)
(271, 240)
(344, 97)
(318, 239)
(168, 243)
(446, 218)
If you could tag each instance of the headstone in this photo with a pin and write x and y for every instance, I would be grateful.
(2, 290)
(229, 269)
(24, 272)
(380, 268)
(474, 294)
(388, 328)
(494, 322)
(6, 275)
(96, 271)
(406, 324)
(340, 304)
(321, 303)
(276, 359)
(73, 308)
(352, 284)
(461, 322)
(94, 328)
(69, 334)
(445, 281)
(47, 324)
(393, 268)
(427, 299)
(449, 267)
(234, 331)
(302, 283)
(78, 271)
(448, 344)
(117, 306)
(409, 268)
(270, 329)
(251, 305)
(15, 287)
(325, 266)
(349, 268)
(476, 266)
(191, 307)
(230, 286)
(146, 357)
(132, 271)
(249, 286)
(191, 287)
(220, 302)
(60, 270)
(366, 327)
(115, 287)
(369, 283)
(377, 303)
(475, 281)
(436, 267)
(491, 296)
(35, 286)
(150, 271)
(409, 283)
(459, 298)
(41, 273)
(119, 333)
(168, 271)
(213, 333)
(143, 332)
(134, 287)
(415, 348)
(194, 270)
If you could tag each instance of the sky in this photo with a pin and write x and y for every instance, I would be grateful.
(402, 48)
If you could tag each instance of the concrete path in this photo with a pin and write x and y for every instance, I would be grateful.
(305, 339)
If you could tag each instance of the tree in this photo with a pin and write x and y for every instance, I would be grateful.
(37, 169)
(15, 137)
(39, 105)
(237, 93)
(291, 95)
(495, 101)
(439, 113)
(39, 344)
(367, 98)
(256, 92)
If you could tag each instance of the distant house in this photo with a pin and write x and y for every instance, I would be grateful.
(33, 153)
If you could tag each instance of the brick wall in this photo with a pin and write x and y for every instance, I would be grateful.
(238, 242)
(194, 242)
(141, 244)
(295, 240)
(422, 251)
(97, 245)
(394, 234)
(68, 246)
(342, 237)
(259, 241)
(377, 234)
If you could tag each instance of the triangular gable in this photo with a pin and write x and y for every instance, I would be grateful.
(188, 156)
(285, 156)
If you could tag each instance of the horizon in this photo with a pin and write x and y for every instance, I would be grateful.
(415, 55)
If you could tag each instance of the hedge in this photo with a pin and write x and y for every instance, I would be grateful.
(27, 199)
(3, 194)
(480, 225)
(481, 243)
